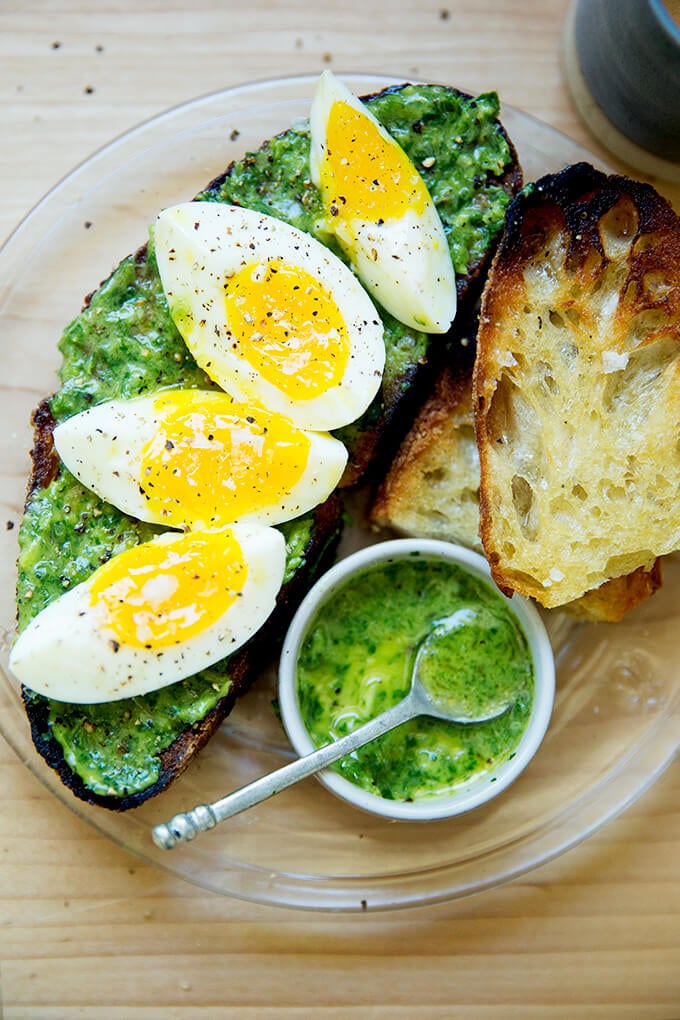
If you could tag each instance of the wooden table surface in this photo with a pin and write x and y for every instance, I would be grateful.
(88, 931)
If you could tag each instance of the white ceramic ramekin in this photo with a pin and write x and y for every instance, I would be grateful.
(475, 791)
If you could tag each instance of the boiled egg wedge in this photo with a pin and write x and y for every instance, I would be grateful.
(189, 458)
(152, 615)
(269, 313)
(378, 207)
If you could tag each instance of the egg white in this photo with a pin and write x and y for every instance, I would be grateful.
(199, 245)
(103, 447)
(69, 654)
(404, 262)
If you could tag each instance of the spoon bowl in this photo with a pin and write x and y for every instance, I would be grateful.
(448, 672)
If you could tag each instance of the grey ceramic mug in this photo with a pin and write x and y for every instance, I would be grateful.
(623, 66)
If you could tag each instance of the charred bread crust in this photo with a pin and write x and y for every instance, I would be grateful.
(592, 213)
(44, 457)
(243, 668)
(174, 759)
(584, 195)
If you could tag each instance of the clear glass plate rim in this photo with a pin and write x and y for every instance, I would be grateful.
(300, 890)
(90, 161)
(17, 235)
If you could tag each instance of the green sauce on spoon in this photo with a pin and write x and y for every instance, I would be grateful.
(357, 658)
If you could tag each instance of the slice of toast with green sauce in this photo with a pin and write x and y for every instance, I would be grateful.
(124, 343)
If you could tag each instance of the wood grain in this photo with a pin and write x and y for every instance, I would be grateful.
(88, 931)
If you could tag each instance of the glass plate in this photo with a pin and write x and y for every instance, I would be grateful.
(616, 722)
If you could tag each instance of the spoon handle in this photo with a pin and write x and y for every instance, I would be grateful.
(187, 825)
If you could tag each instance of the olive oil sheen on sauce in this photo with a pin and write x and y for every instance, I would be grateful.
(357, 659)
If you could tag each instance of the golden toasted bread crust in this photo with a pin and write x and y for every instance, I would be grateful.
(576, 387)
(612, 600)
(431, 489)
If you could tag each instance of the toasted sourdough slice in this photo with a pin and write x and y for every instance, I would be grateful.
(124, 343)
(432, 491)
(576, 387)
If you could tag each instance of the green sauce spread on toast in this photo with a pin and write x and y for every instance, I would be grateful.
(124, 343)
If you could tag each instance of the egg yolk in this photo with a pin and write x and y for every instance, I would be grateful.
(212, 460)
(157, 594)
(364, 176)
(288, 327)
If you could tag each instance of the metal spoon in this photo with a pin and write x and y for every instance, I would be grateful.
(422, 699)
